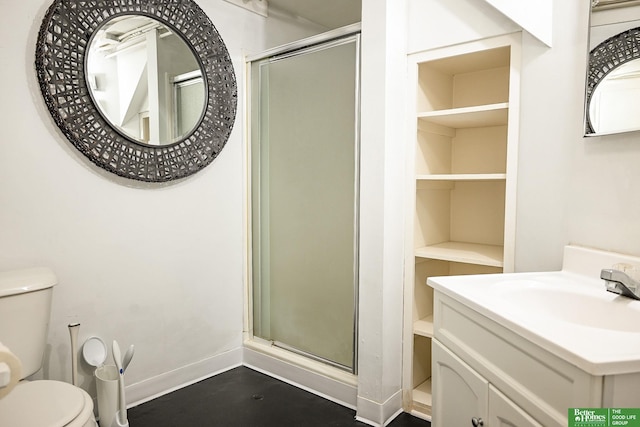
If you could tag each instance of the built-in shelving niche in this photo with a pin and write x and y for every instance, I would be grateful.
(462, 140)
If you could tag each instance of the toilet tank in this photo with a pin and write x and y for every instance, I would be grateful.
(25, 308)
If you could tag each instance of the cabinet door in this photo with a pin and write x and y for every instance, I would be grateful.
(460, 395)
(504, 413)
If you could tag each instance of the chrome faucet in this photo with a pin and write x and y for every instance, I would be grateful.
(619, 282)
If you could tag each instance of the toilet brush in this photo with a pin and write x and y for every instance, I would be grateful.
(126, 359)
(121, 415)
(73, 333)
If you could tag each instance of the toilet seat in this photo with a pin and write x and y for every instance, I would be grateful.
(46, 404)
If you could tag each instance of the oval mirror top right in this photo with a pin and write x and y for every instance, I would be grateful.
(612, 98)
(613, 85)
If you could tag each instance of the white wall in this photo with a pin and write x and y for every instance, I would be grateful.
(571, 189)
(157, 266)
(602, 211)
(552, 100)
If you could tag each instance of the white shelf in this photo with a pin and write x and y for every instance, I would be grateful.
(424, 327)
(462, 177)
(459, 121)
(422, 400)
(470, 253)
(469, 117)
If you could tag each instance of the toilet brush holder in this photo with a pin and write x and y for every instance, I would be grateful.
(107, 387)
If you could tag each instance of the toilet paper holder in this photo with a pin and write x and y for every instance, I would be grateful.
(10, 370)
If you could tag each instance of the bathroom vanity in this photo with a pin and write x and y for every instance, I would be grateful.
(521, 349)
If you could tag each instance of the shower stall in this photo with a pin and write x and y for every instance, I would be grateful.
(304, 197)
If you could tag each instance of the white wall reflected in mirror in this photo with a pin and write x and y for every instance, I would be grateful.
(615, 103)
(145, 80)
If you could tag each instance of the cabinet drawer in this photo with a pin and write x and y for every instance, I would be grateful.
(542, 384)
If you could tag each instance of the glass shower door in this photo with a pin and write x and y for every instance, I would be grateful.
(304, 157)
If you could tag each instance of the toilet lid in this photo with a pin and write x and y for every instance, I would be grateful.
(41, 403)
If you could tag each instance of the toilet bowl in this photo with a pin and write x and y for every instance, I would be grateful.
(46, 403)
(25, 308)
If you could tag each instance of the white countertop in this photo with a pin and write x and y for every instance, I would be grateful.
(566, 313)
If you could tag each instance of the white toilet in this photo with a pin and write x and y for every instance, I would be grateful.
(25, 307)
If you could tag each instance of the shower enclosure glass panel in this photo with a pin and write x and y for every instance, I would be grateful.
(304, 200)
(189, 97)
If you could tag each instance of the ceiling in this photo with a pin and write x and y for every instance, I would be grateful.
(328, 13)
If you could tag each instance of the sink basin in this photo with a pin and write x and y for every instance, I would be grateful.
(581, 305)
(568, 313)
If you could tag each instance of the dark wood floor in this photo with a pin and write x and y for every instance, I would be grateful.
(243, 397)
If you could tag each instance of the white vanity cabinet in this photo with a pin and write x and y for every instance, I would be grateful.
(465, 398)
(483, 370)
(522, 349)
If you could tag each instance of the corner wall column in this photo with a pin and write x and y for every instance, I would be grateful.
(382, 202)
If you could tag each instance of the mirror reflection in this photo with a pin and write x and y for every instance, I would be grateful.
(613, 75)
(615, 102)
(145, 80)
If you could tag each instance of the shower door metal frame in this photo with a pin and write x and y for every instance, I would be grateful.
(348, 34)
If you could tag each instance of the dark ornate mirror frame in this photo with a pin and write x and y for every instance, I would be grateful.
(62, 45)
(605, 58)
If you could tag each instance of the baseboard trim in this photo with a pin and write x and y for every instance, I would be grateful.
(376, 414)
(167, 382)
(314, 377)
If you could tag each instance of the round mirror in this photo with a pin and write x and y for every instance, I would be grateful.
(144, 89)
(145, 80)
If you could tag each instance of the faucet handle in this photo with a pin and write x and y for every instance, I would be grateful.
(633, 271)
(619, 282)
